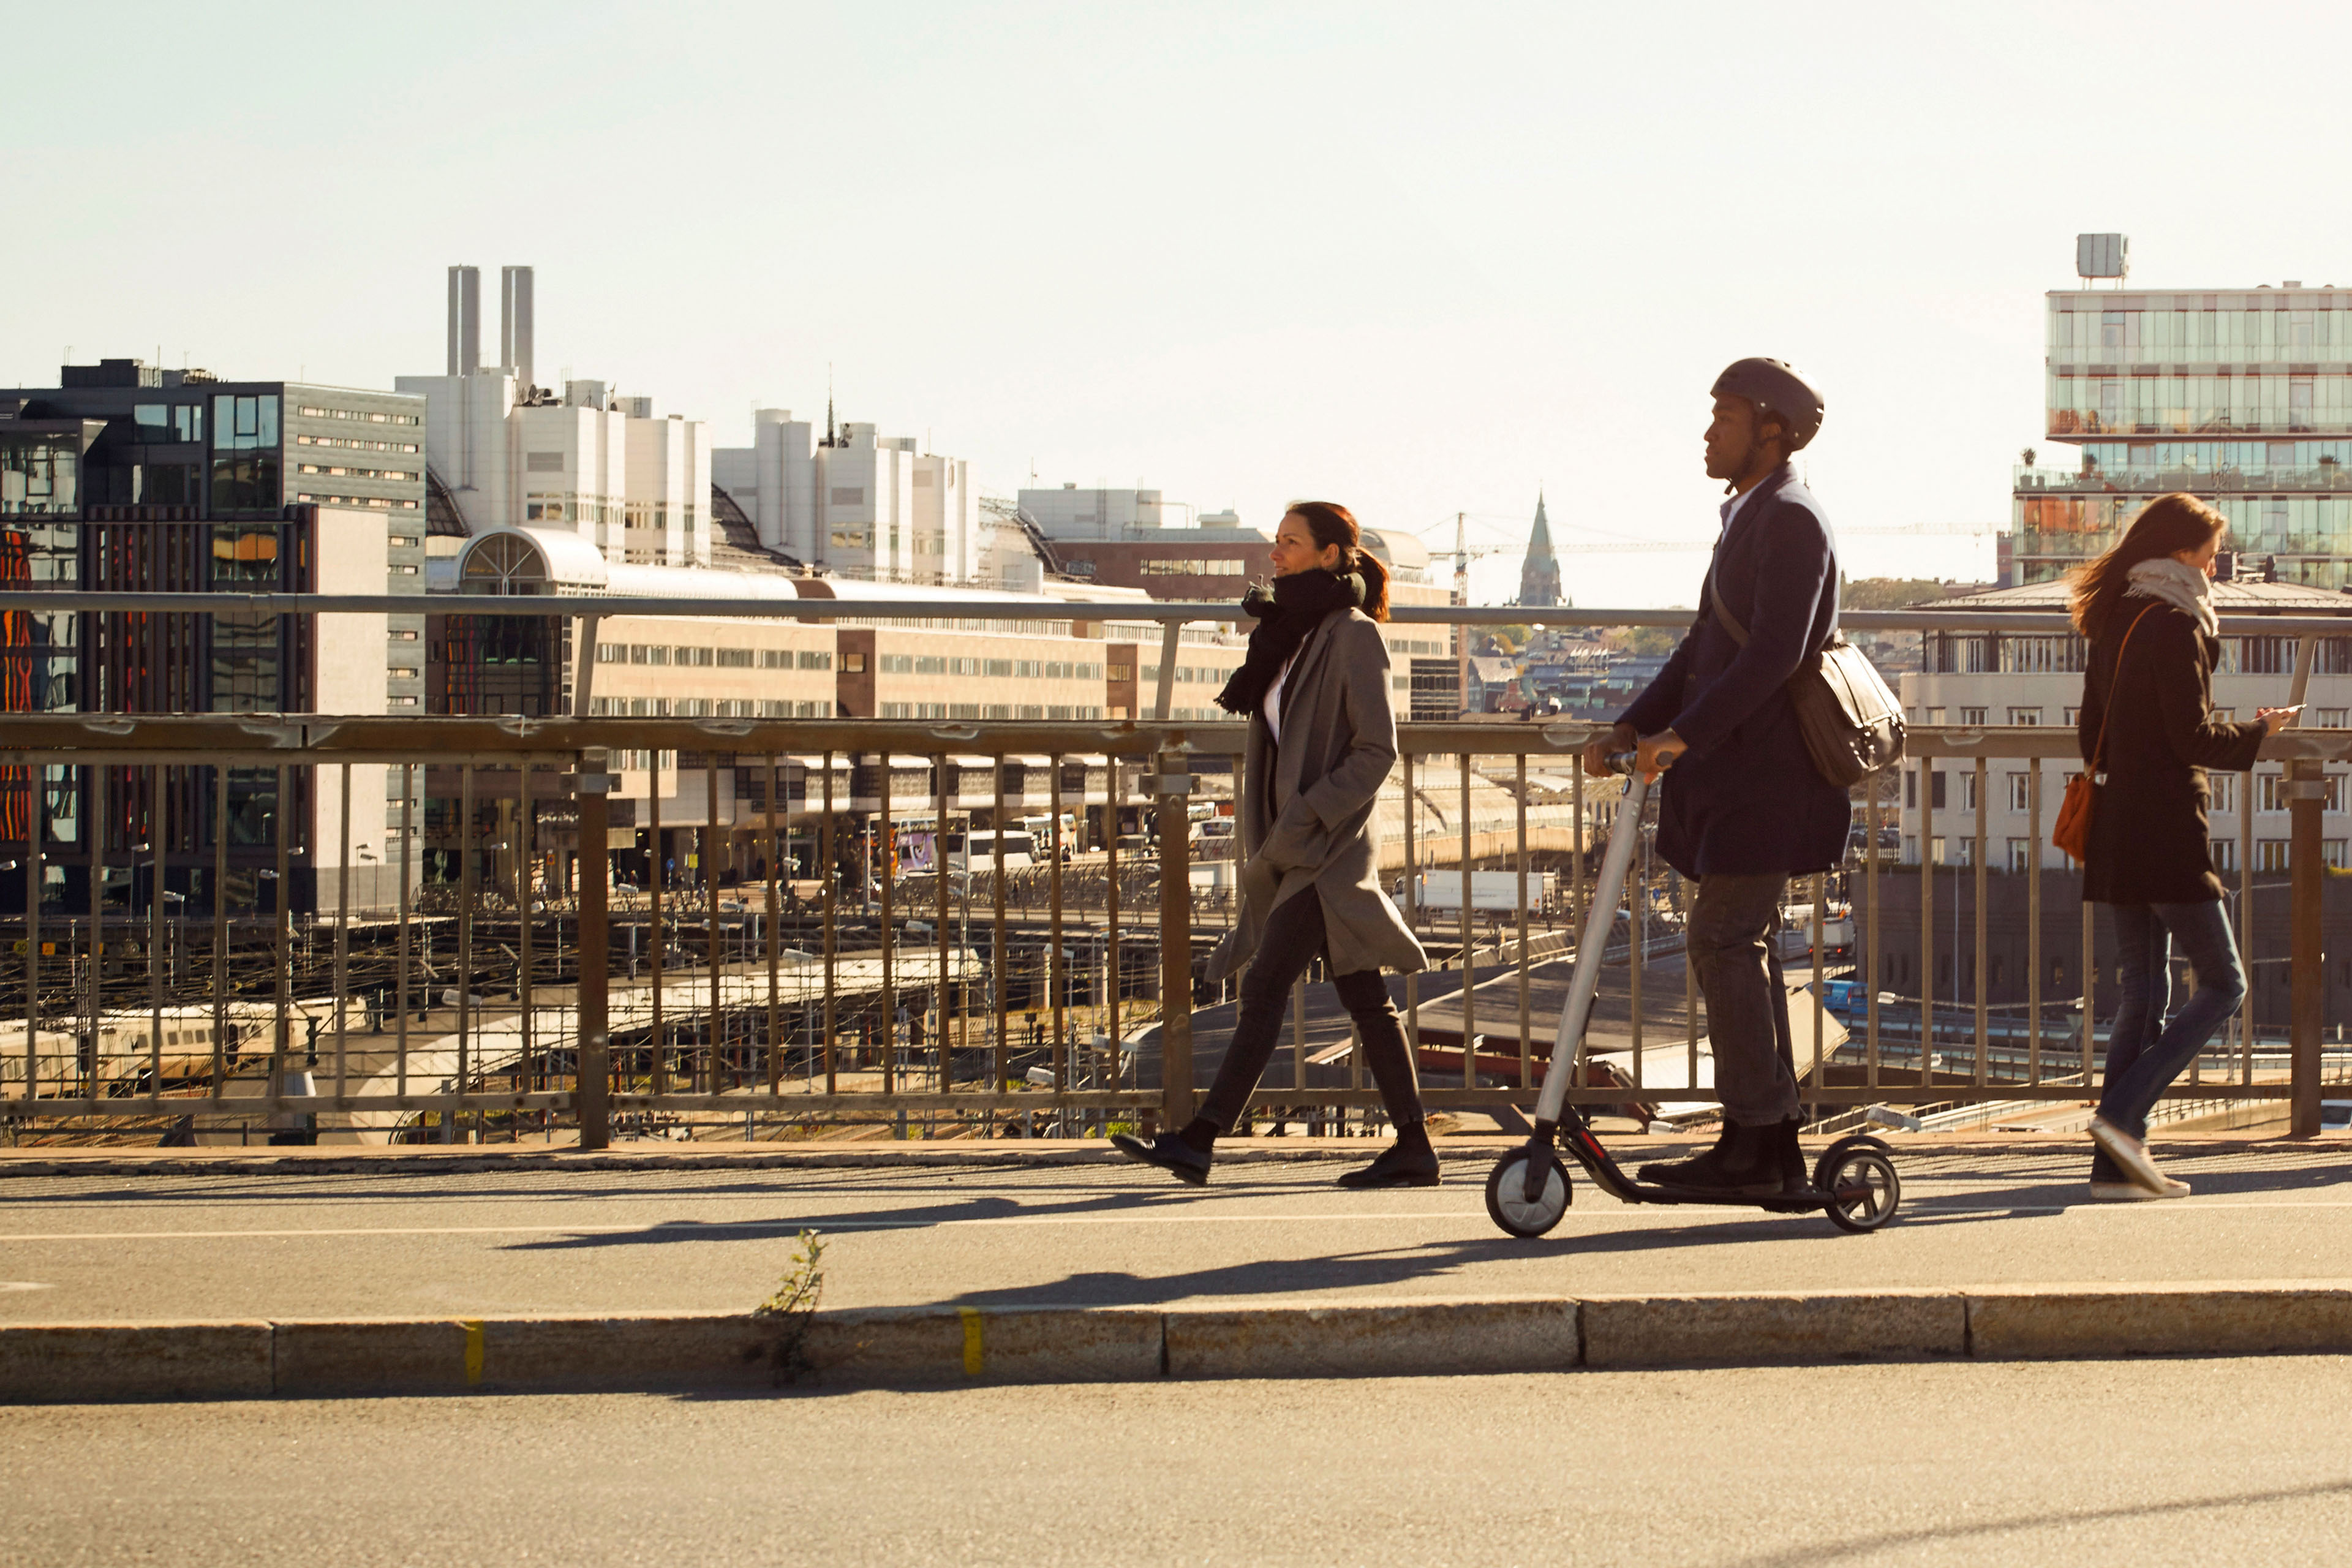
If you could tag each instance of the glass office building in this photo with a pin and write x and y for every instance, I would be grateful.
(124, 476)
(2242, 398)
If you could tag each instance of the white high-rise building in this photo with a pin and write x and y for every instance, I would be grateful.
(507, 453)
(855, 504)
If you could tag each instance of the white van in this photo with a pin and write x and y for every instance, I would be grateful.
(976, 850)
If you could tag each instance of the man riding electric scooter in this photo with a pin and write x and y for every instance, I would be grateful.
(1743, 808)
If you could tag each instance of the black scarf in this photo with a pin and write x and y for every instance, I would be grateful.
(1295, 606)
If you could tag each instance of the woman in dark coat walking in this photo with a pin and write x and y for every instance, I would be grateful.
(2147, 727)
(1322, 739)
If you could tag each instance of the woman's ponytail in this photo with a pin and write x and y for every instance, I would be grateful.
(1376, 584)
(1332, 524)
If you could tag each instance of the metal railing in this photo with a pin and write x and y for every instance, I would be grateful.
(819, 962)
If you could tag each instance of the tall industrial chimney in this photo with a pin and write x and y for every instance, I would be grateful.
(514, 323)
(465, 319)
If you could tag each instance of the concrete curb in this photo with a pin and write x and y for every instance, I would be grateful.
(933, 1346)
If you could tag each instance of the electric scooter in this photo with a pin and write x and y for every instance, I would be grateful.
(1854, 1181)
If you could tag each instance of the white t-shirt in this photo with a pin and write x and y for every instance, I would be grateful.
(1272, 707)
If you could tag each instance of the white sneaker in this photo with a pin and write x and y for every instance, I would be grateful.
(2133, 1193)
(2132, 1155)
(2121, 1193)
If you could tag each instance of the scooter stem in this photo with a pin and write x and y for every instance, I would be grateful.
(1578, 1008)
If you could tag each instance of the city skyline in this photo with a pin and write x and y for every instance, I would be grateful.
(1239, 259)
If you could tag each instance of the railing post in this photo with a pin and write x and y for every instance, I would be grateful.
(592, 1099)
(1173, 786)
(2308, 996)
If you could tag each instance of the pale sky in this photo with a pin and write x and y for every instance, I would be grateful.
(1416, 258)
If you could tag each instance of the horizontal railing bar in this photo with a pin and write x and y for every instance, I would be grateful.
(191, 740)
(1158, 612)
(756, 1099)
(263, 1105)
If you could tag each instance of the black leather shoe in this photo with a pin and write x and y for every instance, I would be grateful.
(1169, 1152)
(1407, 1162)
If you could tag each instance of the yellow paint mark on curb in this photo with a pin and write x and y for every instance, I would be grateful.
(972, 1355)
(473, 1327)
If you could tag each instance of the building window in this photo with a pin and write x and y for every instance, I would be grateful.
(2331, 851)
(2331, 718)
(2020, 854)
(1972, 716)
(2019, 788)
(2225, 854)
(2273, 793)
(1910, 788)
(2270, 854)
(852, 663)
(2222, 790)
(2025, 715)
(809, 659)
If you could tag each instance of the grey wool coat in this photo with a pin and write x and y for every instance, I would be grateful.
(1306, 820)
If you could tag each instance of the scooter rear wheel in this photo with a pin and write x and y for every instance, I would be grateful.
(1859, 1178)
(1507, 1195)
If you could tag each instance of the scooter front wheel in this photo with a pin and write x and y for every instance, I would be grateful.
(1507, 1202)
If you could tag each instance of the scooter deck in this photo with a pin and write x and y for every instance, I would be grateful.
(1611, 1178)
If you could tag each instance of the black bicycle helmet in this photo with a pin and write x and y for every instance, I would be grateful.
(1770, 385)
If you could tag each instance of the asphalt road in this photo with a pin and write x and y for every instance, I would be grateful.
(112, 1248)
(2144, 1463)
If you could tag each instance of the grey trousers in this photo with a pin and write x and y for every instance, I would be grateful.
(1732, 923)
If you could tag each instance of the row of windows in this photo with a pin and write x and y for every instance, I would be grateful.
(160, 424)
(398, 475)
(714, 658)
(1191, 674)
(1073, 713)
(2196, 329)
(1172, 566)
(380, 503)
(709, 708)
(1015, 669)
(1955, 653)
(2270, 792)
(355, 444)
(2270, 854)
(359, 413)
(2182, 404)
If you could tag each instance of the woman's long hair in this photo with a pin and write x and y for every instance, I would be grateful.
(2164, 526)
(1332, 523)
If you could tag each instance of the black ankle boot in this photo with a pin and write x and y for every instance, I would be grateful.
(1408, 1162)
(1795, 1178)
(1668, 1172)
(1186, 1155)
(1745, 1164)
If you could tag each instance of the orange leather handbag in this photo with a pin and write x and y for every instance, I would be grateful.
(2072, 832)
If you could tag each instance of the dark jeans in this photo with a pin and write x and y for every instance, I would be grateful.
(1293, 940)
(1733, 922)
(2145, 1054)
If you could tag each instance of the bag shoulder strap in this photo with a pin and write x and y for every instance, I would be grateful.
(2099, 746)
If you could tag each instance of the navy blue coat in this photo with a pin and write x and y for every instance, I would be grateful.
(1746, 798)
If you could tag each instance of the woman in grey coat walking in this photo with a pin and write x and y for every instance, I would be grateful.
(1322, 739)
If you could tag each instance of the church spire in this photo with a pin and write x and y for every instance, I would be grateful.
(1540, 574)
